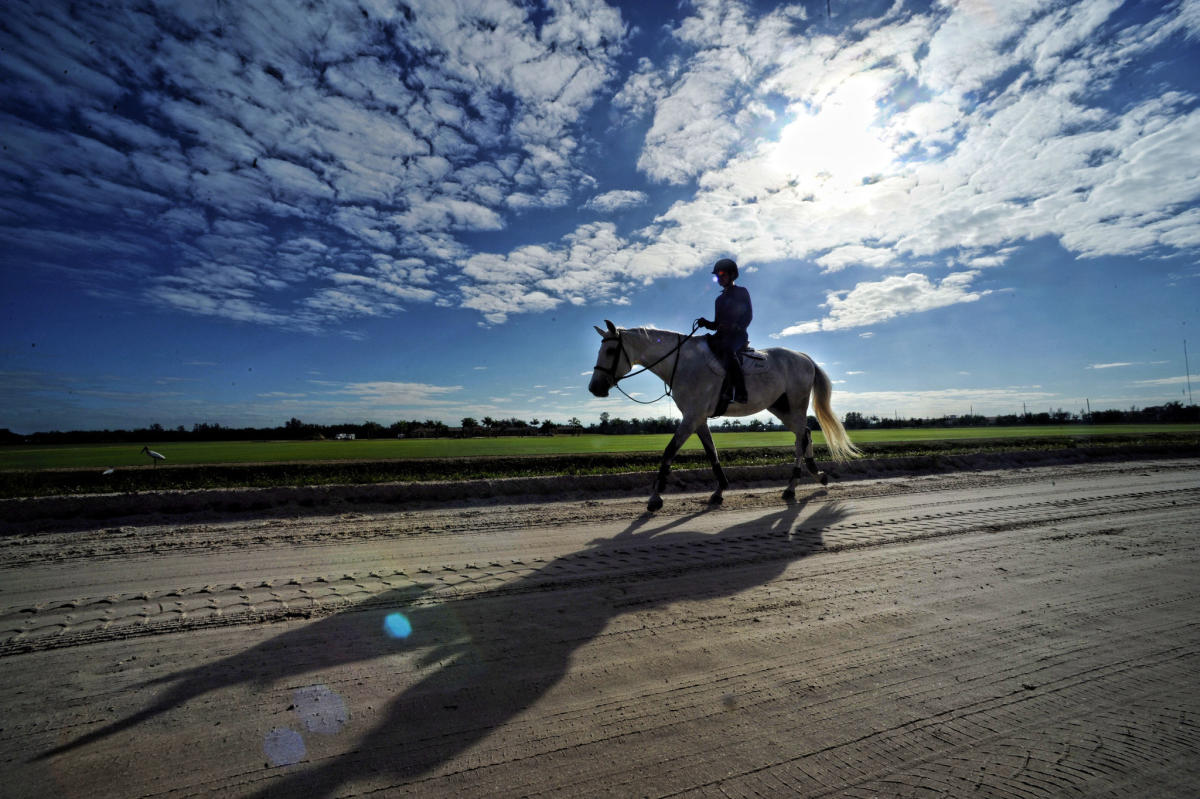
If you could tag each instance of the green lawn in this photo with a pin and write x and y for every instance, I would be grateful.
(116, 455)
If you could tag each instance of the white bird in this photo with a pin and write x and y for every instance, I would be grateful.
(158, 456)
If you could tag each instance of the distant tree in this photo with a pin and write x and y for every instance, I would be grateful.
(854, 421)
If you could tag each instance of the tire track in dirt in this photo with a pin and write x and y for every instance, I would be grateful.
(85, 620)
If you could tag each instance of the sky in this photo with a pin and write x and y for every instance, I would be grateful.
(237, 213)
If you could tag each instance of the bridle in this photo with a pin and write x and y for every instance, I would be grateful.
(619, 350)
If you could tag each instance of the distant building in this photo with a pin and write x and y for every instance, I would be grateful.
(344, 436)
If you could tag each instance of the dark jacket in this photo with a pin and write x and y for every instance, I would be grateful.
(733, 313)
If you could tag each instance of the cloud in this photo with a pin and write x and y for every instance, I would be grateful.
(584, 267)
(312, 122)
(616, 201)
(948, 135)
(642, 90)
(855, 254)
(942, 402)
(990, 139)
(1111, 365)
(387, 393)
(1164, 381)
(872, 303)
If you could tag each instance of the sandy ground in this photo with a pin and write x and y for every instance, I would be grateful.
(1017, 633)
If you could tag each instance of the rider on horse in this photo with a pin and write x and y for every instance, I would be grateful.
(733, 315)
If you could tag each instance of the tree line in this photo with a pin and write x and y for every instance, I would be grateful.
(1170, 413)
(297, 430)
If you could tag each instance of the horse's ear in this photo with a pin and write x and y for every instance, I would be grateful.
(612, 329)
(601, 332)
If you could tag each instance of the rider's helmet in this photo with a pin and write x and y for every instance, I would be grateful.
(726, 265)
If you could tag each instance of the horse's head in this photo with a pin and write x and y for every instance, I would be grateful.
(611, 362)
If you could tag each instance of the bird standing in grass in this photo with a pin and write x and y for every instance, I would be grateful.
(157, 456)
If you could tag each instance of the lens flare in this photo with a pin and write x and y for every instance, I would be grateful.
(283, 747)
(320, 709)
(397, 625)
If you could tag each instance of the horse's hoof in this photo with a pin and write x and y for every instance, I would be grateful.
(654, 504)
(824, 479)
(716, 499)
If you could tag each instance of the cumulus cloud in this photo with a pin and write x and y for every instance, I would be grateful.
(991, 138)
(856, 254)
(641, 91)
(875, 302)
(355, 137)
(362, 129)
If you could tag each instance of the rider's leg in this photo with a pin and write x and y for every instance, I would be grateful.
(734, 365)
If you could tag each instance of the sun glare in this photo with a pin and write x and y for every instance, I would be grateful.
(838, 143)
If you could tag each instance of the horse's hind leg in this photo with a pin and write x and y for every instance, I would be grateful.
(710, 450)
(810, 461)
(804, 455)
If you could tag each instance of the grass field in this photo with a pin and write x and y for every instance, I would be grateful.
(102, 456)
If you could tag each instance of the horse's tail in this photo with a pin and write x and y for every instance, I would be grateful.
(840, 445)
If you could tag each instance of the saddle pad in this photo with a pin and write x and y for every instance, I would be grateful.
(753, 361)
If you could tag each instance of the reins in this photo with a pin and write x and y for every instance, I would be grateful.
(612, 371)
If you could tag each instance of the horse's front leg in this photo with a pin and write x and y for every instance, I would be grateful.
(685, 429)
(710, 450)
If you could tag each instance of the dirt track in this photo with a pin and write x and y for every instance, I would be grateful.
(1029, 632)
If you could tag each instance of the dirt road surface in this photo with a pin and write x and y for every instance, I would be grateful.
(1018, 633)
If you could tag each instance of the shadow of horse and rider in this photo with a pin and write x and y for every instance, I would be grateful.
(496, 653)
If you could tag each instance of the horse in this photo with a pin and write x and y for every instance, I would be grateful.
(781, 383)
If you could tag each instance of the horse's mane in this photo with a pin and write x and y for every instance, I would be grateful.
(650, 331)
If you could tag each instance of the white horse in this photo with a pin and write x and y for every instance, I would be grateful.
(780, 383)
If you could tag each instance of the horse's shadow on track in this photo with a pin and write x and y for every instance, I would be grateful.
(499, 651)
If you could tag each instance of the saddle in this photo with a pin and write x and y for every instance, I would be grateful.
(747, 356)
(751, 360)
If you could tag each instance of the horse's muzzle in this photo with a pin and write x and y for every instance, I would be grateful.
(600, 385)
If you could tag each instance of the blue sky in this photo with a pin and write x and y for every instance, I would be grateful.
(238, 213)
